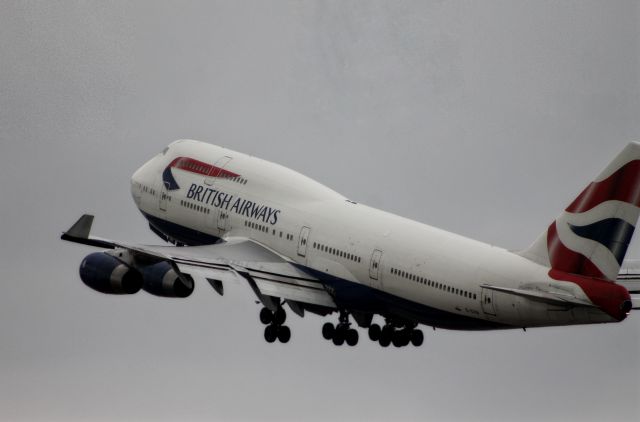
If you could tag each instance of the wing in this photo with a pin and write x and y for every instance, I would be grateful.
(270, 275)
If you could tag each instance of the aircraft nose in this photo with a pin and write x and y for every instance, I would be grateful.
(135, 177)
(136, 185)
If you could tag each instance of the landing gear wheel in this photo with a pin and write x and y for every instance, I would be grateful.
(266, 316)
(279, 316)
(397, 339)
(405, 336)
(385, 336)
(284, 334)
(384, 341)
(417, 338)
(374, 332)
(270, 333)
(328, 330)
(352, 337)
(339, 336)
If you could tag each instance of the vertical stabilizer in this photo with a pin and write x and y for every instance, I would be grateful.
(590, 238)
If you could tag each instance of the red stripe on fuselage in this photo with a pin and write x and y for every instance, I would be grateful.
(200, 167)
(623, 185)
(605, 294)
(564, 259)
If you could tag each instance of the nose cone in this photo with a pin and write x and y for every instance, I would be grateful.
(144, 176)
(135, 177)
(136, 186)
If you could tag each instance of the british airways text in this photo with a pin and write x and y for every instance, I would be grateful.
(226, 201)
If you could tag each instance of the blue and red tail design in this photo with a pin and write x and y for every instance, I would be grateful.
(590, 238)
(587, 243)
(193, 166)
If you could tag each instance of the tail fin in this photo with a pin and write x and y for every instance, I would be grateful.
(590, 238)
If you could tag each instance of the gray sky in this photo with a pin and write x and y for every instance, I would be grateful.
(482, 118)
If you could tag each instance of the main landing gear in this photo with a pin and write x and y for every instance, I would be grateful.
(399, 336)
(342, 332)
(274, 325)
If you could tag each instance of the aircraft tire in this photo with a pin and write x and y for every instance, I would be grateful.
(266, 316)
(397, 339)
(338, 336)
(417, 338)
(270, 333)
(280, 316)
(284, 334)
(406, 337)
(374, 332)
(328, 331)
(352, 337)
(384, 341)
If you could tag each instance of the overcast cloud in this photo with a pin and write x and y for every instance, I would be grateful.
(482, 118)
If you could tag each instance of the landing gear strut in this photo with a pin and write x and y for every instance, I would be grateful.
(342, 332)
(274, 325)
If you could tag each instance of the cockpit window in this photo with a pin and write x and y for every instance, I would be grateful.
(164, 151)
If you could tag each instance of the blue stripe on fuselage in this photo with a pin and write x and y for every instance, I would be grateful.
(180, 233)
(362, 298)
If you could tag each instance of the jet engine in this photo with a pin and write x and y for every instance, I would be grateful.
(162, 280)
(106, 274)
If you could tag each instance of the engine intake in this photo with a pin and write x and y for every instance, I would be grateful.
(106, 274)
(162, 280)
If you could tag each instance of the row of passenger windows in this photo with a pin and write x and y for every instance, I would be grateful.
(257, 226)
(148, 190)
(336, 252)
(265, 229)
(238, 179)
(431, 283)
(195, 207)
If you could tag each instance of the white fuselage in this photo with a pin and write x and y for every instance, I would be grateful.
(326, 233)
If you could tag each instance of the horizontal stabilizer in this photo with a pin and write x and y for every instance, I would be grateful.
(633, 286)
(629, 278)
(554, 298)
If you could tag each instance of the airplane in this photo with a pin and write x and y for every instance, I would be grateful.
(301, 246)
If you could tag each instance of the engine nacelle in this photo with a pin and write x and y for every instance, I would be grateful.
(106, 274)
(162, 280)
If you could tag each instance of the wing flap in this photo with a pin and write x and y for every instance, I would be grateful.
(315, 296)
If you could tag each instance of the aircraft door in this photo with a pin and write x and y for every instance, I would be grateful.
(374, 268)
(302, 242)
(223, 220)
(219, 165)
(163, 197)
(486, 301)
